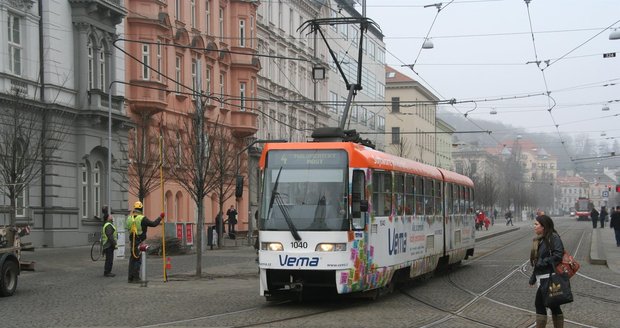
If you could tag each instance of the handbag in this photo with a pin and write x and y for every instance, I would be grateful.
(568, 265)
(557, 290)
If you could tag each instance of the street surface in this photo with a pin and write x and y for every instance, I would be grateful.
(490, 290)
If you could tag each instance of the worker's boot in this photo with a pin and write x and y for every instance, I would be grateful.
(558, 321)
(541, 320)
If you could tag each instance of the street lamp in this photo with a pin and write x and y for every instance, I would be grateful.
(239, 180)
(615, 35)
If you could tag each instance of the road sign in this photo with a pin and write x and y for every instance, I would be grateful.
(609, 55)
(605, 193)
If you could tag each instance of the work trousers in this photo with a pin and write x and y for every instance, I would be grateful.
(109, 260)
(134, 261)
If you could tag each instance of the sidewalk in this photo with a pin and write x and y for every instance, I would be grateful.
(603, 250)
(500, 228)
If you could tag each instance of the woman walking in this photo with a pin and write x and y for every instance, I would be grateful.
(547, 250)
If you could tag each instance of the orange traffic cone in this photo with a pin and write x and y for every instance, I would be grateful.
(168, 264)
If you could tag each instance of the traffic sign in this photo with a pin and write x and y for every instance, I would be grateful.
(605, 193)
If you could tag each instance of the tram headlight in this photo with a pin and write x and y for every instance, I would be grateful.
(272, 246)
(331, 247)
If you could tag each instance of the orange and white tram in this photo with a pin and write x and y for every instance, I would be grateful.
(345, 218)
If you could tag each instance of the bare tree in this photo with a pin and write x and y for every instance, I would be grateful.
(193, 168)
(29, 137)
(224, 166)
(143, 151)
(402, 148)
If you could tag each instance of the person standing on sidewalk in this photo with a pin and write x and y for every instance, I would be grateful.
(137, 224)
(614, 223)
(594, 217)
(547, 250)
(603, 216)
(232, 220)
(109, 238)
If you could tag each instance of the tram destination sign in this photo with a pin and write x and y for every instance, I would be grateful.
(307, 158)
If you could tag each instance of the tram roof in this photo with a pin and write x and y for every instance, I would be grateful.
(361, 156)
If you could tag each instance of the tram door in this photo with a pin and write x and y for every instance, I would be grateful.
(359, 220)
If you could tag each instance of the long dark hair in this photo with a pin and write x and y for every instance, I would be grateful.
(547, 223)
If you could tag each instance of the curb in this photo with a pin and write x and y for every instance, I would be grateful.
(499, 233)
(597, 254)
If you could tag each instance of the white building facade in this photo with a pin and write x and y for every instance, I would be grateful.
(60, 60)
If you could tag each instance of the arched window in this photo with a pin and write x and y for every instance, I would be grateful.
(84, 190)
(91, 65)
(178, 205)
(96, 186)
(102, 69)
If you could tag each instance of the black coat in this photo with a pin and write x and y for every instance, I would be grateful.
(547, 260)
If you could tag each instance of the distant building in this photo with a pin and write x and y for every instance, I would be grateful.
(570, 188)
(411, 120)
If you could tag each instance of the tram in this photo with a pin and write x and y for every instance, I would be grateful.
(583, 207)
(341, 217)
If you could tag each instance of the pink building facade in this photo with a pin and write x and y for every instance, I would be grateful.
(174, 43)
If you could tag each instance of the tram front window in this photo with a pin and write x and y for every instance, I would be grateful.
(311, 190)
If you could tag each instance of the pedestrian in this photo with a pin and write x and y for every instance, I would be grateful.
(232, 220)
(594, 217)
(137, 225)
(614, 223)
(494, 216)
(547, 250)
(479, 219)
(487, 223)
(508, 216)
(603, 216)
(109, 239)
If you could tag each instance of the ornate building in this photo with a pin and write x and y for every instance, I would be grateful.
(56, 66)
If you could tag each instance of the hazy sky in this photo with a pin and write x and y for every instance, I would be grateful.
(481, 48)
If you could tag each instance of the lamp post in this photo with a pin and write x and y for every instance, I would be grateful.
(257, 141)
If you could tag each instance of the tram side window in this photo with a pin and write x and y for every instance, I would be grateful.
(382, 193)
(448, 193)
(358, 199)
(399, 192)
(438, 208)
(469, 196)
(429, 200)
(419, 196)
(409, 200)
(455, 200)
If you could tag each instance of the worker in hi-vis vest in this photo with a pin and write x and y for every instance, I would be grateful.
(137, 224)
(109, 237)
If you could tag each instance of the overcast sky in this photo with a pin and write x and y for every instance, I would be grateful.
(481, 50)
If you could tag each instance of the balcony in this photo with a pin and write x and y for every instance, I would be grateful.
(243, 123)
(147, 96)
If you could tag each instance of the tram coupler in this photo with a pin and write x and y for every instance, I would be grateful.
(143, 248)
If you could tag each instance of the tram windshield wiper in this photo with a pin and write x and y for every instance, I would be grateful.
(275, 196)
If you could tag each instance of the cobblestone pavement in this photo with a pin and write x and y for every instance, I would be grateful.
(69, 290)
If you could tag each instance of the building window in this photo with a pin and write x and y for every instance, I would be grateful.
(192, 12)
(177, 9)
(291, 21)
(396, 135)
(102, 70)
(91, 66)
(221, 90)
(333, 98)
(21, 202)
(242, 87)
(251, 31)
(96, 187)
(221, 23)
(84, 185)
(194, 78)
(177, 74)
(395, 104)
(145, 61)
(159, 60)
(380, 123)
(371, 120)
(208, 17)
(15, 45)
(242, 33)
(208, 82)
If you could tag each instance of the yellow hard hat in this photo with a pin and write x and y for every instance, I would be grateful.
(138, 205)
